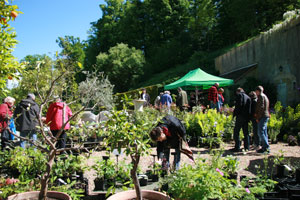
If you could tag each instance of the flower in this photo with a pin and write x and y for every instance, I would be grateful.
(220, 172)
(247, 190)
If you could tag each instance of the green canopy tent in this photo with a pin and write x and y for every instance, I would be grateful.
(198, 79)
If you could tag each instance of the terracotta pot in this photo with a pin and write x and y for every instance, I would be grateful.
(131, 194)
(35, 195)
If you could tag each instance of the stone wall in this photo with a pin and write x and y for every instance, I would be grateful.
(277, 54)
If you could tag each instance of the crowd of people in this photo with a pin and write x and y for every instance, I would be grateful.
(171, 133)
(25, 119)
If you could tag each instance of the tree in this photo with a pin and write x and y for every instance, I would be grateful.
(37, 73)
(9, 66)
(72, 48)
(122, 65)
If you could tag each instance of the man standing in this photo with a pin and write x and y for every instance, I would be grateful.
(26, 116)
(256, 141)
(182, 101)
(57, 115)
(171, 134)
(5, 115)
(213, 97)
(145, 97)
(166, 100)
(262, 116)
(242, 112)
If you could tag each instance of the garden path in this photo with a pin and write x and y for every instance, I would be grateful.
(250, 162)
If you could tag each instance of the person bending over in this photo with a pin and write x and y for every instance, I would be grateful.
(169, 134)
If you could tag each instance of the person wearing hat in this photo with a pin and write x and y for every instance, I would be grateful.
(57, 115)
(26, 116)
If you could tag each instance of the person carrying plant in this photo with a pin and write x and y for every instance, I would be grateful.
(26, 116)
(242, 113)
(57, 115)
(169, 134)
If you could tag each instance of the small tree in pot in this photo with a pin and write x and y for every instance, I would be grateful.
(94, 92)
(130, 131)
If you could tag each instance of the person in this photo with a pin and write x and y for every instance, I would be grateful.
(242, 113)
(220, 98)
(145, 97)
(213, 96)
(192, 101)
(256, 141)
(182, 101)
(169, 134)
(166, 100)
(26, 117)
(6, 114)
(262, 116)
(157, 100)
(58, 114)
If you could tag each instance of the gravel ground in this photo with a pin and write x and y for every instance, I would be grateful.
(249, 162)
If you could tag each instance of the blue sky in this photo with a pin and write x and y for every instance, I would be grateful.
(44, 21)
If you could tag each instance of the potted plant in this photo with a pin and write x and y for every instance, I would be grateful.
(96, 90)
(106, 173)
(231, 164)
(129, 132)
(279, 162)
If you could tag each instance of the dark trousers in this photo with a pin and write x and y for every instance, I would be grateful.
(61, 143)
(241, 122)
(164, 152)
(256, 140)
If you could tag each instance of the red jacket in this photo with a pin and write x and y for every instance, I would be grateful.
(213, 94)
(55, 116)
(5, 113)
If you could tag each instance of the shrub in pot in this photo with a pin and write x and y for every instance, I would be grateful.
(231, 164)
(95, 91)
(130, 132)
(106, 174)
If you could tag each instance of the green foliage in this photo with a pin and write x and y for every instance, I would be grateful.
(30, 162)
(9, 66)
(211, 125)
(64, 167)
(204, 181)
(105, 169)
(19, 187)
(135, 94)
(123, 66)
(96, 90)
(38, 67)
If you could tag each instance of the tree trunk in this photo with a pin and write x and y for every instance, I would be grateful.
(134, 177)
(46, 176)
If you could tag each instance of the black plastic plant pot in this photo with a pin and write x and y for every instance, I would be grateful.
(143, 179)
(242, 177)
(233, 176)
(165, 187)
(154, 178)
(280, 171)
(105, 158)
(298, 175)
(100, 184)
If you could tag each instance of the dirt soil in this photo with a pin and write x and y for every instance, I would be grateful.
(250, 162)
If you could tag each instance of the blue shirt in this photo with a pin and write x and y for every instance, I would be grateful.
(166, 99)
